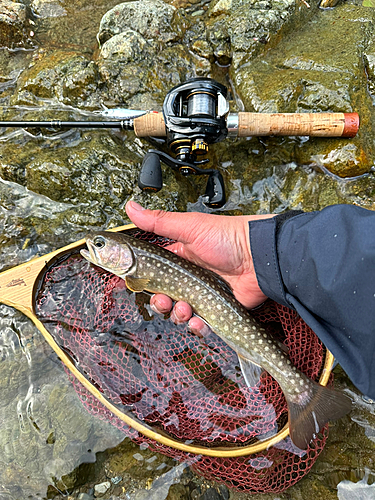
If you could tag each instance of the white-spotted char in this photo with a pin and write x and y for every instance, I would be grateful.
(145, 266)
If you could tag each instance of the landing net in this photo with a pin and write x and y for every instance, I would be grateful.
(188, 387)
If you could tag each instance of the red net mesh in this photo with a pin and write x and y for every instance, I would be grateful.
(172, 380)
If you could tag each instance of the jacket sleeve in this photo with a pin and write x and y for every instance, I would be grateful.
(322, 264)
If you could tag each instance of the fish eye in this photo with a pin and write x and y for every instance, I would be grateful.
(99, 241)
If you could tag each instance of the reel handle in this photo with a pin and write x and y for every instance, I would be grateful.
(266, 124)
(214, 196)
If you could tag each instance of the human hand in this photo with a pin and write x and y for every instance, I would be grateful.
(217, 242)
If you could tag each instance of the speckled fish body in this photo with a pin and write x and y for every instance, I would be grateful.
(145, 266)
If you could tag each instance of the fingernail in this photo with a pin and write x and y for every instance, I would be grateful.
(175, 318)
(136, 206)
(154, 308)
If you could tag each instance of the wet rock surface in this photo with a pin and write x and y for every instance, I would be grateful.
(274, 56)
(14, 25)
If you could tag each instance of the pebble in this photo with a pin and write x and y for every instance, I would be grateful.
(102, 488)
(85, 496)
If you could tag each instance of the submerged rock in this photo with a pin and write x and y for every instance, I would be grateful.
(48, 8)
(14, 26)
(102, 488)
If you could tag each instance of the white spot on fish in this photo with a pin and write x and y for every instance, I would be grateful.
(254, 327)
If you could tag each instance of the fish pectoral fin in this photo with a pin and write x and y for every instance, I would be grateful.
(136, 284)
(251, 371)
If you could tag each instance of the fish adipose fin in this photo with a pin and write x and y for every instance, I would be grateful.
(251, 371)
(136, 284)
(320, 405)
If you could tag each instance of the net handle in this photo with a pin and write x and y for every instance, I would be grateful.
(17, 289)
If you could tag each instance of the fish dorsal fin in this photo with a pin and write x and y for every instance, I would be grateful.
(251, 371)
(136, 284)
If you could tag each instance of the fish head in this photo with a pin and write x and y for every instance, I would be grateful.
(110, 252)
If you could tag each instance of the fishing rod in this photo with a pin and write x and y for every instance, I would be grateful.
(196, 114)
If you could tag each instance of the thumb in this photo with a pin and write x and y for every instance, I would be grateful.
(175, 225)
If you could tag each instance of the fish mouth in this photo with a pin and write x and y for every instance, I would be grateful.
(89, 254)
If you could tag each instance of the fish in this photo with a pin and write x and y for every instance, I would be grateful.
(148, 267)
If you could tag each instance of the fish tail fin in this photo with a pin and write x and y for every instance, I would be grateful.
(317, 406)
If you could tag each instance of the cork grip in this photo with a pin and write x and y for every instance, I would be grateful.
(261, 124)
(311, 124)
(150, 125)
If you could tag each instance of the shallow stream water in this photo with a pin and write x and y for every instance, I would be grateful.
(50, 445)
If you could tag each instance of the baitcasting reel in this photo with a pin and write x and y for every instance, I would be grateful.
(195, 116)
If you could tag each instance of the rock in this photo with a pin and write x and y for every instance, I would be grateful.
(137, 73)
(48, 8)
(102, 488)
(239, 30)
(63, 76)
(309, 73)
(85, 496)
(14, 25)
(153, 19)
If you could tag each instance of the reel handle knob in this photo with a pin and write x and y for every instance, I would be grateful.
(215, 191)
(150, 177)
